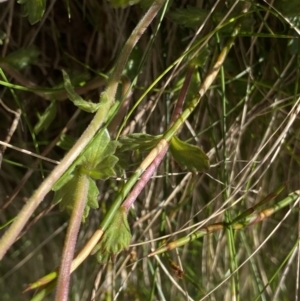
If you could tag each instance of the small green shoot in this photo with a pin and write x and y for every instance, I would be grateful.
(46, 118)
(33, 9)
(78, 101)
(66, 142)
(138, 141)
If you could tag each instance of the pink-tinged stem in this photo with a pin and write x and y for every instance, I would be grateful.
(183, 92)
(71, 238)
(146, 176)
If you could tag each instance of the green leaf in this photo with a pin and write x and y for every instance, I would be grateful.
(189, 17)
(96, 162)
(22, 57)
(132, 67)
(100, 148)
(66, 195)
(66, 142)
(137, 144)
(78, 101)
(138, 141)
(116, 238)
(46, 118)
(200, 59)
(64, 179)
(92, 199)
(34, 9)
(93, 194)
(105, 169)
(188, 156)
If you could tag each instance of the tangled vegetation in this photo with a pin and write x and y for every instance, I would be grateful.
(149, 150)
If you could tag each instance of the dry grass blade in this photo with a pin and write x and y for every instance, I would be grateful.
(218, 240)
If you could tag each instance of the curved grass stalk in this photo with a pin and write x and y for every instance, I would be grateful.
(146, 176)
(132, 40)
(171, 131)
(140, 184)
(242, 221)
(108, 99)
(160, 147)
(46, 93)
(194, 48)
(290, 257)
(234, 286)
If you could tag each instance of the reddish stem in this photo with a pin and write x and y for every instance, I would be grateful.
(146, 176)
(182, 95)
(71, 238)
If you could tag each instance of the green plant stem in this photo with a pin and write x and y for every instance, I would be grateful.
(46, 93)
(246, 221)
(71, 237)
(44, 291)
(131, 42)
(224, 176)
(11, 234)
(170, 133)
(137, 188)
(146, 176)
(159, 147)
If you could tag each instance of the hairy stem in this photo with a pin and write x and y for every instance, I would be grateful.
(155, 163)
(11, 234)
(71, 238)
(154, 153)
(130, 43)
(144, 179)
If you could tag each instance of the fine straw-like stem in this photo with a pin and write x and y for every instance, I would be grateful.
(153, 166)
(71, 238)
(172, 130)
(11, 234)
(248, 220)
(160, 147)
(144, 179)
(209, 203)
